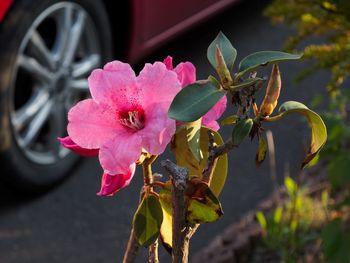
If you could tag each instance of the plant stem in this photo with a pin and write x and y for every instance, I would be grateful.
(180, 242)
(148, 183)
(207, 173)
(153, 253)
(132, 246)
(214, 153)
(272, 163)
(131, 249)
(147, 170)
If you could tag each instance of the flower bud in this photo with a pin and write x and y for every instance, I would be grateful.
(272, 92)
(222, 69)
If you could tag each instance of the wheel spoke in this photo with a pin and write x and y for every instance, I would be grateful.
(71, 25)
(36, 124)
(79, 85)
(74, 37)
(26, 113)
(57, 124)
(40, 50)
(85, 66)
(64, 25)
(32, 66)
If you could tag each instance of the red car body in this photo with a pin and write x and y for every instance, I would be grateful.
(156, 21)
(4, 6)
(153, 22)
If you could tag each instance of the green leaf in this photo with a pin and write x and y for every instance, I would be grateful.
(147, 220)
(194, 101)
(193, 138)
(262, 149)
(232, 119)
(294, 225)
(246, 83)
(205, 208)
(228, 51)
(324, 199)
(314, 161)
(262, 58)
(215, 82)
(318, 128)
(241, 130)
(261, 219)
(336, 241)
(277, 215)
(290, 185)
(340, 206)
(166, 229)
(184, 157)
(338, 170)
(316, 101)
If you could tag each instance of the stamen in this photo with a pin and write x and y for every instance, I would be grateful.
(133, 122)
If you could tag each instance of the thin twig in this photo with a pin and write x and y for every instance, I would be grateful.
(222, 149)
(153, 253)
(191, 230)
(147, 170)
(272, 162)
(132, 246)
(149, 183)
(214, 153)
(212, 160)
(131, 249)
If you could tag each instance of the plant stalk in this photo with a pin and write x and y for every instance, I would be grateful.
(148, 183)
(132, 246)
(153, 253)
(131, 249)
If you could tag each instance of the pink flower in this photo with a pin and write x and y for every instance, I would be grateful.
(111, 184)
(68, 143)
(186, 74)
(126, 115)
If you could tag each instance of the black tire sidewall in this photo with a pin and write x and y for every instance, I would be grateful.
(15, 167)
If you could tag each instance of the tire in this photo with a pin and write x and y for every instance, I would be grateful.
(35, 99)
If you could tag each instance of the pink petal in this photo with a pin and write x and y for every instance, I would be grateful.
(158, 84)
(117, 154)
(168, 62)
(69, 144)
(186, 73)
(91, 124)
(110, 184)
(214, 125)
(114, 85)
(159, 129)
(209, 119)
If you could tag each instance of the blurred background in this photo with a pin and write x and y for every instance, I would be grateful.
(68, 222)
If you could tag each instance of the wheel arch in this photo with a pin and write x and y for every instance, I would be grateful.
(120, 19)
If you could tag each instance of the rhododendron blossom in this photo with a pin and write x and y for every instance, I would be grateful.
(69, 144)
(110, 184)
(186, 74)
(126, 115)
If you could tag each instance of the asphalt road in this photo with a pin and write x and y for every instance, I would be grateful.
(70, 224)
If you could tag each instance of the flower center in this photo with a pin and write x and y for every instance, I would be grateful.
(133, 120)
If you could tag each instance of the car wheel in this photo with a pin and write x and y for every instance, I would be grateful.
(47, 50)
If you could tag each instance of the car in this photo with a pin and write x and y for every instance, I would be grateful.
(47, 50)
